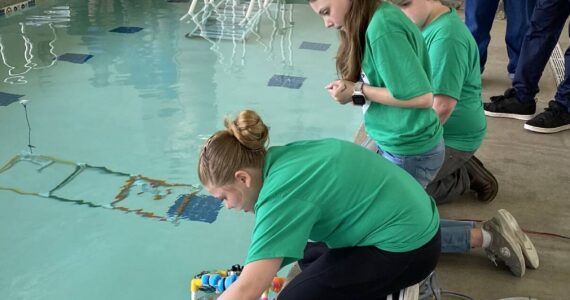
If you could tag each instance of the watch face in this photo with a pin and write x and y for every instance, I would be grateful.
(358, 99)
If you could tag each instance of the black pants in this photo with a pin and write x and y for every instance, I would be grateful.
(359, 272)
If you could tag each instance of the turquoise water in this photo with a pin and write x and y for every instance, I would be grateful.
(142, 105)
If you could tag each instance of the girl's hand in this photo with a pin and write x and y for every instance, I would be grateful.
(341, 90)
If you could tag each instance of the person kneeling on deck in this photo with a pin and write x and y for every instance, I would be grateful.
(380, 227)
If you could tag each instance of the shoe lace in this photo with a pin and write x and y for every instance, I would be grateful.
(493, 258)
(554, 109)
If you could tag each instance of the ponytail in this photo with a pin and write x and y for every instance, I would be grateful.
(243, 144)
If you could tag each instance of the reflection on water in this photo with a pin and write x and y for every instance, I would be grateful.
(239, 22)
(57, 17)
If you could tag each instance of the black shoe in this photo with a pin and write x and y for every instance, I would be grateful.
(508, 106)
(555, 118)
(483, 182)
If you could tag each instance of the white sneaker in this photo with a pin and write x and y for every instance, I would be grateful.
(504, 247)
(527, 247)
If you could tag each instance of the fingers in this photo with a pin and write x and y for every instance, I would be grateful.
(337, 90)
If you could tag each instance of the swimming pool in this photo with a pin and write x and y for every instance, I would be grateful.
(140, 101)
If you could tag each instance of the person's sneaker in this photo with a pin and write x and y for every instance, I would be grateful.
(504, 248)
(483, 182)
(555, 118)
(508, 106)
(527, 247)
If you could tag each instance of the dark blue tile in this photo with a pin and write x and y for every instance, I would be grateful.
(75, 57)
(200, 208)
(6, 98)
(124, 29)
(315, 46)
(291, 82)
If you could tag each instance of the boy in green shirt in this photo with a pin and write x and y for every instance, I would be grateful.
(456, 84)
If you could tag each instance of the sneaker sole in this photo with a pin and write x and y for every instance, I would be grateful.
(482, 171)
(515, 260)
(546, 130)
(509, 116)
(527, 247)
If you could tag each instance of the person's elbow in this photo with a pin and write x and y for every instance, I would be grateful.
(444, 107)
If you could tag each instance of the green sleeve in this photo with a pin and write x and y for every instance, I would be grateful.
(399, 64)
(282, 228)
(449, 62)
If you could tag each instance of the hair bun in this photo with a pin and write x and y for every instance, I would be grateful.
(249, 130)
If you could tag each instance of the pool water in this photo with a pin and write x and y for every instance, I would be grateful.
(114, 123)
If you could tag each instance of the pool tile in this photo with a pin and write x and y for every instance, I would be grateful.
(125, 29)
(200, 208)
(314, 46)
(291, 82)
(7, 98)
(75, 58)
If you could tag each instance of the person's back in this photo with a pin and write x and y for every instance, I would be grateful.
(456, 85)
(314, 188)
(454, 59)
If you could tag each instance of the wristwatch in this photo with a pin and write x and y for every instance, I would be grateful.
(357, 95)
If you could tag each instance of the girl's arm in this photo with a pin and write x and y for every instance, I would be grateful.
(341, 91)
(255, 278)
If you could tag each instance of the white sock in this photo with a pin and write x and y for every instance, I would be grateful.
(486, 238)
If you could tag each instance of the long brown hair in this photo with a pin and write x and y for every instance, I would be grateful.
(241, 145)
(352, 39)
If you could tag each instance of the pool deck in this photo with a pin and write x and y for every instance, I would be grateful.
(533, 171)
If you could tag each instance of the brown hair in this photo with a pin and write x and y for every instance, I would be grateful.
(241, 145)
(352, 39)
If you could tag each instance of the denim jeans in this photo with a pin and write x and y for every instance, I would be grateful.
(542, 36)
(423, 167)
(455, 236)
(479, 17)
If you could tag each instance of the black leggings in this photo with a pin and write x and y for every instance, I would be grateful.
(359, 272)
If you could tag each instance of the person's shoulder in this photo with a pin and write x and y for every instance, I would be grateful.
(448, 27)
(388, 19)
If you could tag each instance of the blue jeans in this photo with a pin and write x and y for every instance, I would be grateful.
(479, 16)
(455, 236)
(423, 167)
(545, 28)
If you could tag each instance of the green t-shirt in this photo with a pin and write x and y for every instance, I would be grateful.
(454, 58)
(339, 193)
(395, 57)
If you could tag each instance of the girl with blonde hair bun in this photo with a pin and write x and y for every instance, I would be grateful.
(371, 219)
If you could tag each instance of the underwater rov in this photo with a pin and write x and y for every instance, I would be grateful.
(207, 284)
